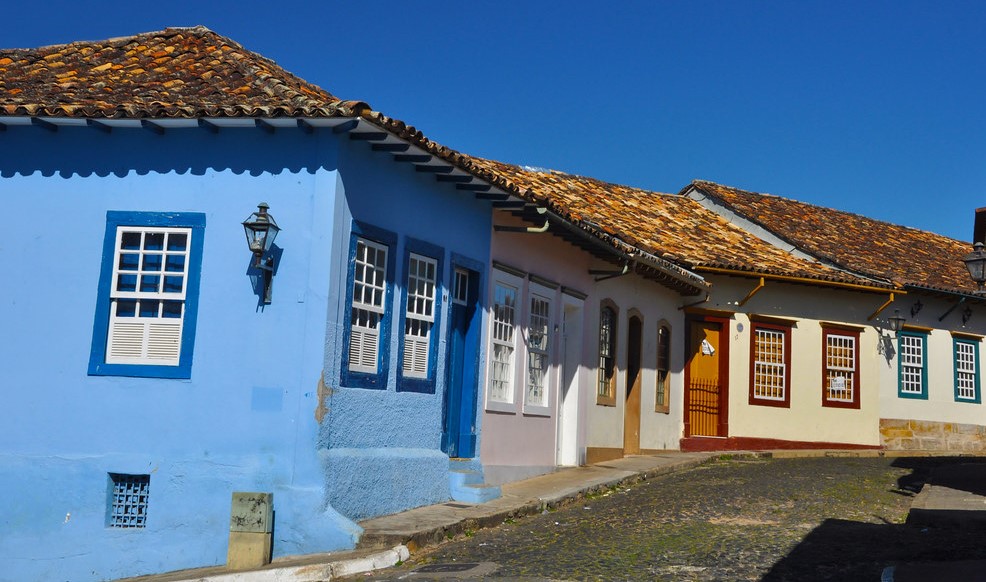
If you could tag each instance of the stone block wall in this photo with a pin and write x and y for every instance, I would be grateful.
(923, 435)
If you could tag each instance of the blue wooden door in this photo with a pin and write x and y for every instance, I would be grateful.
(459, 414)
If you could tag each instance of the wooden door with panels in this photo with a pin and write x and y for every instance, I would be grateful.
(706, 378)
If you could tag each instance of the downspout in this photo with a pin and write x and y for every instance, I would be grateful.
(753, 292)
(627, 267)
(881, 308)
(699, 302)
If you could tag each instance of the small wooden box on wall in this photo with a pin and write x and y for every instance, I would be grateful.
(251, 523)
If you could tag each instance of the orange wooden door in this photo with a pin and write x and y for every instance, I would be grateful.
(704, 382)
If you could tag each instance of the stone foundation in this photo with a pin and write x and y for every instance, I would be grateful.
(926, 435)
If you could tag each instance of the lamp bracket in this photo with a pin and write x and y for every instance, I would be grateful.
(952, 308)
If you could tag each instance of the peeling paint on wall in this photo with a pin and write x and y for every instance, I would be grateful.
(323, 394)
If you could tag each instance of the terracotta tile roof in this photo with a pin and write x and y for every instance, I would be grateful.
(669, 226)
(897, 253)
(177, 72)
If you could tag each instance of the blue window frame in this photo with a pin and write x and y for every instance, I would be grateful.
(148, 295)
(912, 365)
(966, 370)
(369, 297)
(421, 308)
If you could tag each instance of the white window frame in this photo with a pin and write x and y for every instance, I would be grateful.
(532, 404)
(505, 334)
(912, 362)
(360, 350)
(966, 373)
(142, 339)
(419, 315)
(849, 374)
(769, 376)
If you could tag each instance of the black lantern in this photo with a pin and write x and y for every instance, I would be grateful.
(261, 230)
(976, 263)
(896, 322)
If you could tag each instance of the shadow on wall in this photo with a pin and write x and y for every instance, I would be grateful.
(850, 550)
(87, 152)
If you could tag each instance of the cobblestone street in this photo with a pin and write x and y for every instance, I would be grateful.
(837, 518)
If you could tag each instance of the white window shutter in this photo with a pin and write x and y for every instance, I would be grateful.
(140, 342)
(363, 349)
(415, 356)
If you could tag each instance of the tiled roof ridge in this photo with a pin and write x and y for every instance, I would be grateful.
(569, 175)
(117, 40)
(877, 221)
(286, 93)
(813, 250)
(497, 170)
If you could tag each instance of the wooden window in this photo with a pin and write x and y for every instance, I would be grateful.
(419, 317)
(538, 334)
(368, 306)
(770, 364)
(966, 370)
(913, 366)
(662, 397)
(606, 390)
(503, 347)
(460, 286)
(840, 368)
(148, 294)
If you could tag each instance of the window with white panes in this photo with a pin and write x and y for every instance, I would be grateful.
(460, 287)
(770, 372)
(368, 308)
(606, 381)
(147, 296)
(913, 370)
(420, 315)
(841, 361)
(503, 346)
(966, 370)
(538, 333)
(662, 396)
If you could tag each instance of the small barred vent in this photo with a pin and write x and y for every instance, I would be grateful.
(128, 500)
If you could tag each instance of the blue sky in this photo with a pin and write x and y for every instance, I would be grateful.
(873, 107)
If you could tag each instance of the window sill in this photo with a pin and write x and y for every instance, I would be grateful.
(542, 411)
(605, 401)
(770, 403)
(496, 406)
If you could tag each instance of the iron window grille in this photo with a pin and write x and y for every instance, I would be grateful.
(129, 497)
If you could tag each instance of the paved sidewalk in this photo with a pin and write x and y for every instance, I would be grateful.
(389, 539)
(955, 496)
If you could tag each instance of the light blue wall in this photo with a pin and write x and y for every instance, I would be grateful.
(381, 448)
(245, 419)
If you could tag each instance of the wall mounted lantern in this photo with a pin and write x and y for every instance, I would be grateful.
(976, 263)
(261, 230)
(896, 322)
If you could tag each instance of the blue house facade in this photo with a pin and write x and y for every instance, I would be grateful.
(163, 383)
(150, 377)
(405, 324)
